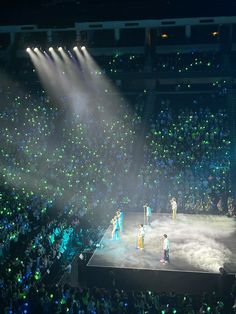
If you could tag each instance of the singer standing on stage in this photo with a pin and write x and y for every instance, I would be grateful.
(115, 228)
(174, 207)
(120, 215)
(166, 250)
(141, 234)
(148, 214)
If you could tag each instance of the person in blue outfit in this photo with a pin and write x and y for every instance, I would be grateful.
(115, 228)
(148, 214)
(120, 215)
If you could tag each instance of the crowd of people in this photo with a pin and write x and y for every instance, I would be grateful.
(181, 62)
(191, 151)
(60, 300)
(33, 239)
(64, 173)
(178, 62)
(122, 62)
(186, 154)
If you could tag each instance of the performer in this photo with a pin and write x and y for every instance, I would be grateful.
(148, 214)
(166, 250)
(115, 228)
(141, 235)
(120, 215)
(174, 207)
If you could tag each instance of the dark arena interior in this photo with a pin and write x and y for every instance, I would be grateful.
(118, 157)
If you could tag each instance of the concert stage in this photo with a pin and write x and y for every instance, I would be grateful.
(199, 246)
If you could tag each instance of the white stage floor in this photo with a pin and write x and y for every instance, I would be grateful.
(198, 243)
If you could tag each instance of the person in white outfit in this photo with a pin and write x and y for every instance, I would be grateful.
(166, 250)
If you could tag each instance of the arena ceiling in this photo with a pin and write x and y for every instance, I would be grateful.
(66, 12)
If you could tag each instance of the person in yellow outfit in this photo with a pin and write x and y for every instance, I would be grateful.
(141, 235)
(174, 207)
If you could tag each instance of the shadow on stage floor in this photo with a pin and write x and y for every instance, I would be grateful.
(199, 246)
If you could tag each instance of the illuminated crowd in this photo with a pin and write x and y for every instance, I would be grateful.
(90, 164)
(190, 152)
(179, 62)
(60, 168)
(104, 301)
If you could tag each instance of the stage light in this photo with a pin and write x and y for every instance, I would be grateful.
(36, 49)
(50, 49)
(60, 48)
(164, 35)
(28, 49)
(83, 47)
(215, 34)
(75, 48)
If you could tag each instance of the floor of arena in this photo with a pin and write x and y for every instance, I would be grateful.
(198, 243)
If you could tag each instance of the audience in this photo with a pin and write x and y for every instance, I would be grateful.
(64, 175)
